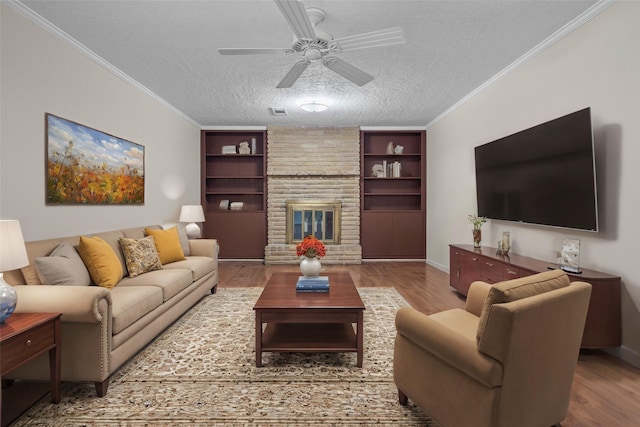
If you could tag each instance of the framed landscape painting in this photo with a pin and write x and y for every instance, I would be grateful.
(87, 166)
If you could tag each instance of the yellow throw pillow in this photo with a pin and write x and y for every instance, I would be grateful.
(167, 244)
(102, 262)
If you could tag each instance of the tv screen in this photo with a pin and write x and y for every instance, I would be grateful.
(542, 175)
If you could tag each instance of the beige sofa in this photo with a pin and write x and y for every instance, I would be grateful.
(508, 359)
(103, 328)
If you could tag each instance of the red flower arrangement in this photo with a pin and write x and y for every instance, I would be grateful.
(311, 247)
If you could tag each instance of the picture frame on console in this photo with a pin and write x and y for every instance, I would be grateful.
(85, 166)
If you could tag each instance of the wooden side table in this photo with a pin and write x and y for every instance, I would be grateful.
(24, 336)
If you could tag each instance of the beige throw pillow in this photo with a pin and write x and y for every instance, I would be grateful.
(62, 267)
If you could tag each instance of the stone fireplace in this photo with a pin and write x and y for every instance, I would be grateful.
(313, 165)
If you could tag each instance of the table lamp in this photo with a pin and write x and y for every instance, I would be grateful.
(13, 255)
(192, 214)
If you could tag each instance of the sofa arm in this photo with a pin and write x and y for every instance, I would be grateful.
(478, 292)
(204, 247)
(78, 304)
(447, 345)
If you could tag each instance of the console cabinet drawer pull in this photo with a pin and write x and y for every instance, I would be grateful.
(28, 343)
(489, 264)
(509, 271)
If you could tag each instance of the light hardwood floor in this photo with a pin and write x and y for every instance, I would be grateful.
(606, 390)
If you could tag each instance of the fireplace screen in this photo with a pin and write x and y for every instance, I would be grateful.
(320, 219)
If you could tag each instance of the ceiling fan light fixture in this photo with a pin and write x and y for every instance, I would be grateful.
(314, 107)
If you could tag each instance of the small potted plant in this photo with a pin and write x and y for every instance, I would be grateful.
(477, 222)
(311, 249)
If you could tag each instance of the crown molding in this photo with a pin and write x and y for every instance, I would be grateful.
(233, 127)
(32, 16)
(393, 128)
(570, 27)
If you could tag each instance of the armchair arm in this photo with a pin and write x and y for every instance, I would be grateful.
(78, 304)
(448, 346)
(204, 247)
(478, 292)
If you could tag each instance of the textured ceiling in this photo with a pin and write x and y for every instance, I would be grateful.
(170, 47)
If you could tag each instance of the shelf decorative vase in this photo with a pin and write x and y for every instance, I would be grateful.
(477, 238)
(310, 266)
(505, 243)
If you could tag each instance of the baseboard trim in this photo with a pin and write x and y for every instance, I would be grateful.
(439, 266)
(628, 355)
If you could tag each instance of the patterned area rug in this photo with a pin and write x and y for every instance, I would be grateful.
(202, 371)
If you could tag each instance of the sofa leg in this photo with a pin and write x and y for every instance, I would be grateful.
(214, 289)
(402, 398)
(101, 387)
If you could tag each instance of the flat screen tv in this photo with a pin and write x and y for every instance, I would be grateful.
(543, 175)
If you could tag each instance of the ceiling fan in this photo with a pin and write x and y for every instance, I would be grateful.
(314, 44)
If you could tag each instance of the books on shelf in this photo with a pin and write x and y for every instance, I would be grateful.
(312, 284)
(391, 169)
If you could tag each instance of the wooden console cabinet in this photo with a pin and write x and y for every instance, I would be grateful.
(603, 326)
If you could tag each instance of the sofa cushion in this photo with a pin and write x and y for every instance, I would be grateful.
(167, 244)
(30, 275)
(198, 265)
(524, 287)
(130, 303)
(171, 282)
(63, 267)
(113, 239)
(184, 240)
(101, 260)
(140, 255)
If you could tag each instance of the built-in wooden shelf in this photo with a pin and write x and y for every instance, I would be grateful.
(234, 177)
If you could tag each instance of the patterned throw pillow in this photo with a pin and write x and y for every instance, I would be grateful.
(140, 255)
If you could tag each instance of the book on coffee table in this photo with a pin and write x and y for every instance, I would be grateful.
(312, 284)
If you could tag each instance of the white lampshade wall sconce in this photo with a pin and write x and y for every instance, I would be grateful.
(192, 214)
(13, 255)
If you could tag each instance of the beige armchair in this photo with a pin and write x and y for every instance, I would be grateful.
(507, 359)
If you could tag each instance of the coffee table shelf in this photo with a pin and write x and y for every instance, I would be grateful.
(321, 337)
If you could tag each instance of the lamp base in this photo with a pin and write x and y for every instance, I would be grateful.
(193, 231)
(8, 300)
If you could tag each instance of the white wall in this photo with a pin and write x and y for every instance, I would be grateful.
(597, 65)
(41, 73)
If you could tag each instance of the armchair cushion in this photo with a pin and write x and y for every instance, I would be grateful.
(513, 290)
(454, 349)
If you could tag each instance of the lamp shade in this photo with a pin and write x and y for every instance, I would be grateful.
(192, 213)
(13, 253)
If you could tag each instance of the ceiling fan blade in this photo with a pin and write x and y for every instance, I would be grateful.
(347, 70)
(249, 51)
(378, 38)
(293, 74)
(296, 15)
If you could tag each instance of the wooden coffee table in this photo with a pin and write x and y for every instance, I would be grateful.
(309, 321)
